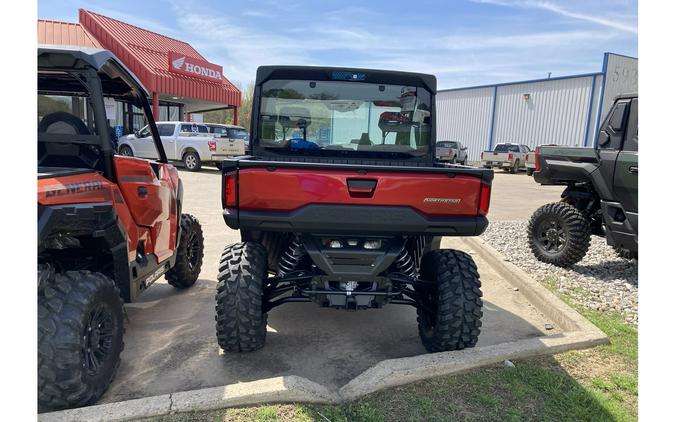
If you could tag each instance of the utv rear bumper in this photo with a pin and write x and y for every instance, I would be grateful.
(355, 219)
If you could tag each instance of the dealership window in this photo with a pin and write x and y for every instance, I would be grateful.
(169, 112)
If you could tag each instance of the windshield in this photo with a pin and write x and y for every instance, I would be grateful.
(506, 148)
(310, 116)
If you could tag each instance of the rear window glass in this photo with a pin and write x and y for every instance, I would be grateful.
(220, 130)
(506, 148)
(194, 128)
(443, 144)
(237, 133)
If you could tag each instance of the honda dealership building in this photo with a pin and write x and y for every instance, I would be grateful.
(181, 81)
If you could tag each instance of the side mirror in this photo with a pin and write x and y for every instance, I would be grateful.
(464, 148)
(603, 138)
(136, 134)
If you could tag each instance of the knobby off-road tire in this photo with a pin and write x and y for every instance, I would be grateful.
(449, 317)
(241, 325)
(189, 255)
(80, 328)
(559, 234)
(529, 172)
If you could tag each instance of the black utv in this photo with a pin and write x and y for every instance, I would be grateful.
(601, 197)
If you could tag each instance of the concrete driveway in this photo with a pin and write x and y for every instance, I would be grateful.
(170, 337)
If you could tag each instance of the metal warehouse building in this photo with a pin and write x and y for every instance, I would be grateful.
(564, 110)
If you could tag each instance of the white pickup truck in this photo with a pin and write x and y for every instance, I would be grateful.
(190, 143)
(506, 156)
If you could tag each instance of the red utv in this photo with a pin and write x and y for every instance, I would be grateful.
(108, 226)
(341, 203)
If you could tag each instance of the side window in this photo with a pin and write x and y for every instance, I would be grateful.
(524, 148)
(631, 141)
(611, 133)
(165, 129)
(617, 120)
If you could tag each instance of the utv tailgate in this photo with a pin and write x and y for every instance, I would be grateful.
(332, 198)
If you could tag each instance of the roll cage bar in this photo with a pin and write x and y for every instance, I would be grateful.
(67, 71)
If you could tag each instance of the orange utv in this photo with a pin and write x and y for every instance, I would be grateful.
(108, 226)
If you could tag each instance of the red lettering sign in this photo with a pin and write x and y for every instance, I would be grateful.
(197, 68)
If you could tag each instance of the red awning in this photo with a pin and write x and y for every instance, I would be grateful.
(65, 33)
(146, 53)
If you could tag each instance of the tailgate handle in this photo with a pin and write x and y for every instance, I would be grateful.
(361, 187)
(633, 169)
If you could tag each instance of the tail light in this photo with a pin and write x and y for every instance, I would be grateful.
(536, 159)
(510, 156)
(484, 204)
(229, 190)
(527, 157)
(212, 146)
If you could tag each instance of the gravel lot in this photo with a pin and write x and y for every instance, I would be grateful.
(601, 281)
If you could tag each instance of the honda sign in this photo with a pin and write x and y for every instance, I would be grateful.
(190, 66)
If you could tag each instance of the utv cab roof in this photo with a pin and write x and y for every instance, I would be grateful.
(626, 96)
(75, 58)
(318, 73)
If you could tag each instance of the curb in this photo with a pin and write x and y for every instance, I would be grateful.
(272, 390)
(579, 334)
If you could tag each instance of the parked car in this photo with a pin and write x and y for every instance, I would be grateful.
(451, 151)
(506, 156)
(349, 225)
(186, 142)
(601, 197)
(529, 163)
(230, 132)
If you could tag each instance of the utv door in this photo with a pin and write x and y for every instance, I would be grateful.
(149, 194)
(626, 170)
(610, 141)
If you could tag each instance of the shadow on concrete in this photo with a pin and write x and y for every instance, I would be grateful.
(176, 350)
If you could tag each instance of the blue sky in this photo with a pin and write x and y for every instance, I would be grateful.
(464, 43)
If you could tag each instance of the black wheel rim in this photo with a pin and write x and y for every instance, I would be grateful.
(193, 251)
(552, 236)
(99, 335)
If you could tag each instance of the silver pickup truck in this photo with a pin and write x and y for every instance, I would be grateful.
(506, 156)
(187, 142)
